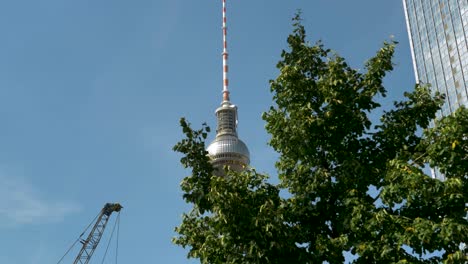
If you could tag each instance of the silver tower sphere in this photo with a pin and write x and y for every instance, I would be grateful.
(227, 149)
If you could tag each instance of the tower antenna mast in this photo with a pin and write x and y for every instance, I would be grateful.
(225, 56)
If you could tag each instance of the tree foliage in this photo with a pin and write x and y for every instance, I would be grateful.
(354, 188)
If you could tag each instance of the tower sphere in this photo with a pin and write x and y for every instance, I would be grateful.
(227, 149)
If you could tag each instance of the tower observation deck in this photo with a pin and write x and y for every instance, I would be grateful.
(227, 149)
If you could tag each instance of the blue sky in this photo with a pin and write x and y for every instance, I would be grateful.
(91, 93)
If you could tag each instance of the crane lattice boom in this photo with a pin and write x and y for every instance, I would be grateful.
(91, 242)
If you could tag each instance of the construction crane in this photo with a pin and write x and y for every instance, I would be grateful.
(90, 244)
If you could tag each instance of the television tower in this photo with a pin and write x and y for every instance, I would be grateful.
(227, 149)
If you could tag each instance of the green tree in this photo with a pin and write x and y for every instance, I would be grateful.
(352, 186)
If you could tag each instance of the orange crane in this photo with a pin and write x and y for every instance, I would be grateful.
(90, 244)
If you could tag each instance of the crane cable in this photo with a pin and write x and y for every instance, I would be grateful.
(116, 223)
(78, 239)
(118, 231)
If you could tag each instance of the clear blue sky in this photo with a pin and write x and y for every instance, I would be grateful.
(91, 93)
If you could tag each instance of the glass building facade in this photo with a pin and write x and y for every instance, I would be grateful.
(438, 31)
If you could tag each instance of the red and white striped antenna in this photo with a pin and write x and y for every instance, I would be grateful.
(225, 57)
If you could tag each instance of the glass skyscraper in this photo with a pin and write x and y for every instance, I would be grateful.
(438, 31)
